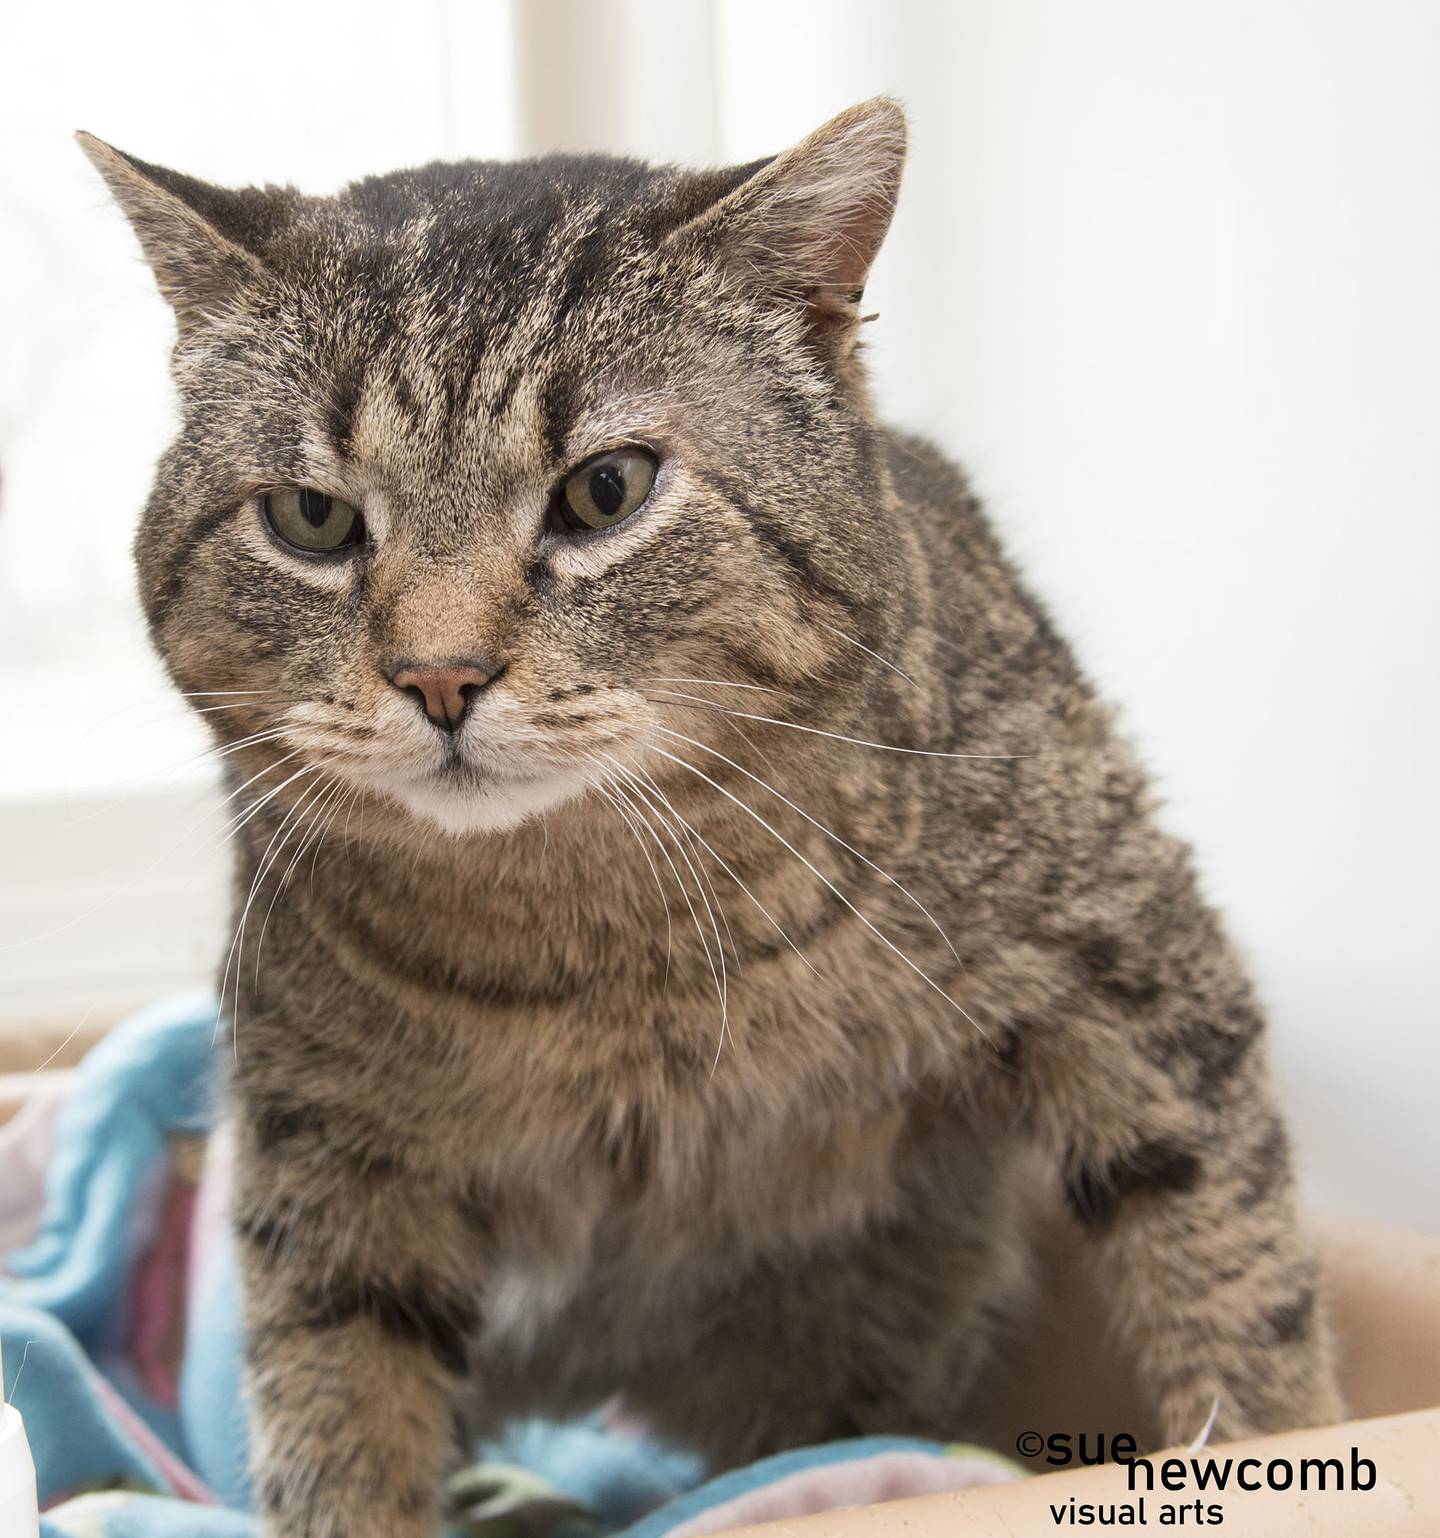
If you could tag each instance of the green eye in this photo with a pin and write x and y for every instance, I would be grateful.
(311, 521)
(605, 490)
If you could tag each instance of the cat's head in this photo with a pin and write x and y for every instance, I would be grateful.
(482, 466)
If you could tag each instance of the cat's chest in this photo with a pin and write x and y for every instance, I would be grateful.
(614, 1244)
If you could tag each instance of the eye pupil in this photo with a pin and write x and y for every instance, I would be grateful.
(312, 520)
(314, 507)
(604, 491)
(607, 489)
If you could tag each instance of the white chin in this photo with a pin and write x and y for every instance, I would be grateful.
(459, 810)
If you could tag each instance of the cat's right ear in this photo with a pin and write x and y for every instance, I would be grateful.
(181, 223)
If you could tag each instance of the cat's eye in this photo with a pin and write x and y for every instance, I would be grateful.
(604, 491)
(312, 521)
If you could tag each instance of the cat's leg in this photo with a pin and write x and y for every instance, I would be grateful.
(359, 1314)
(1177, 1167)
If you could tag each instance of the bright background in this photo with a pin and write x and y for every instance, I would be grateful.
(1165, 276)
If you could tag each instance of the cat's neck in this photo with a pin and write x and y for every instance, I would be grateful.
(635, 885)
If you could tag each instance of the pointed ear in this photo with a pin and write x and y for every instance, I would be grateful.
(182, 225)
(810, 222)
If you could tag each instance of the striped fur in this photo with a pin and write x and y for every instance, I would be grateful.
(686, 1025)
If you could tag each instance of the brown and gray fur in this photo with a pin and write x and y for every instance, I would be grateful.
(643, 1038)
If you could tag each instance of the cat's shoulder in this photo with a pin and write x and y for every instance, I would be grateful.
(921, 471)
(937, 494)
(965, 559)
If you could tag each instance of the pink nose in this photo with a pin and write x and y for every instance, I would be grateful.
(444, 689)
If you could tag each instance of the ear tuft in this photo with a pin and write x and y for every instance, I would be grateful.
(198, 267)
(812, 220)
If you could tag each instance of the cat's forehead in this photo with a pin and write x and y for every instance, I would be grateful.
(478, 243)
(454, 286)
(519, 310)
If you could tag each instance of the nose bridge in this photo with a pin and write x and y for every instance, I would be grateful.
(427, 609)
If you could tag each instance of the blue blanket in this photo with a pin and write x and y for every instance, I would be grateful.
(121, 1337)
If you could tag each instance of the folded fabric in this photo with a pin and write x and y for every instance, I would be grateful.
(120, 1320)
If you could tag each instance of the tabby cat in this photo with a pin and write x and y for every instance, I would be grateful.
(683, 879)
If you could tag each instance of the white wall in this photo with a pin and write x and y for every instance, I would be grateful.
(1187, 322)
(1165, 275)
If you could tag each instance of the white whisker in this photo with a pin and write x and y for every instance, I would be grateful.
(815, 870)
(97, 907)
(238, 943)
(315, 808)
(710, 849)
(715, 972)
(860, 646)
(719, 683)
(621, 810)
(828, 832)
(816, 731)
(701, 886)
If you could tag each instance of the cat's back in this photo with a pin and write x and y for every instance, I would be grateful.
(1029, 794)
(979, 595)
(1002, 682)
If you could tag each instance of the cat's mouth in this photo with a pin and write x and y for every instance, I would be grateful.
(462, 796)
(459, 772)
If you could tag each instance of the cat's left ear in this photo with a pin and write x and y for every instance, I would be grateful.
(194, 235)
(809, 223)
